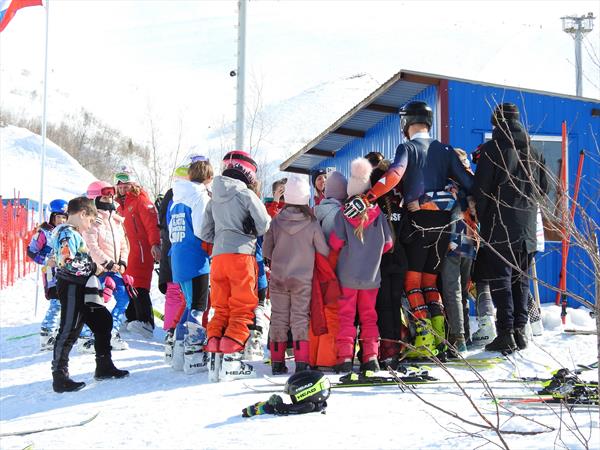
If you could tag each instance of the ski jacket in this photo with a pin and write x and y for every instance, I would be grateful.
(510, 182)
(358, 263)
(39, 250)
(141, 229)
(326, 212)
(188, 259)
(106, 239)
(234, 218)
(73, 260)
(291, 244)
(423, 166)
(325, 291)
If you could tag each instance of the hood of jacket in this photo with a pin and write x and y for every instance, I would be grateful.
(509, 132)
(225, 188)
(292, 220)
(185, 189)
(372, 213)
(327, 207)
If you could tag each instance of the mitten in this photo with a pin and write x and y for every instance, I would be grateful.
(109, 287)
(259, 408)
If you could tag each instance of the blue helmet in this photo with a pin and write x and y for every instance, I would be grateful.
(58, 206)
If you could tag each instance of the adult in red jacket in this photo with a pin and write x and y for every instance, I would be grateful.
(143, 234)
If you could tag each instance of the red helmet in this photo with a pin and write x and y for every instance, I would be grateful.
(99, 188)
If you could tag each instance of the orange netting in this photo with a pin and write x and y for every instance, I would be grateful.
(15, 234)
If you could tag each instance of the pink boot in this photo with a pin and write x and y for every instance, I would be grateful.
(301, 355)
(278, 357)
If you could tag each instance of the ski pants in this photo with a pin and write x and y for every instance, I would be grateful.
(74, 313)
(174, 305)
(52, 317)
(121, 298)
(290, 310)
(456, 273)
(510, 290)
(195, 292)
(364, 300)
(233, 296)
(140, 308)
(323, 348)
(484, 304)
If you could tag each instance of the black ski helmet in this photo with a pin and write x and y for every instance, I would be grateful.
(415, 112)
(308, 386)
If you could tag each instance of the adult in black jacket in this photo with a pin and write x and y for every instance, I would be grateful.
(510, 182)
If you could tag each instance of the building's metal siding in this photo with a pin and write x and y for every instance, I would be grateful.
(470, 107)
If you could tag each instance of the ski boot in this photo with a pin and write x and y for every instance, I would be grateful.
(344, 366)
(486, 332)
(47, 339)
(105, 368)
(62, 383)
(144, 329)
(116, 342)
(86, 344)
(169, 345)
(253, 350)
(278, 366)
(215, 358)
(194, 359)
(424, 341)
(504, 343)
(369, 368)
(233, 368)
(177, 360)
(457, 347)
(301, 355)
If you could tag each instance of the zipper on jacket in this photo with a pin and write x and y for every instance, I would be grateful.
(116, 261)
(141, 251)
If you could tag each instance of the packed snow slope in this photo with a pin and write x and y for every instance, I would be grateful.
(20, 165)
(159, 408)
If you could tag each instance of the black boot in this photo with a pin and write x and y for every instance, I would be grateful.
(344, 367)
(106, 369)
(62, 383)
(504, 342)
(521, 338)
(278, 368)
(300, 366)
(370, 366)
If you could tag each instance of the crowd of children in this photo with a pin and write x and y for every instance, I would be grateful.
(363, 252)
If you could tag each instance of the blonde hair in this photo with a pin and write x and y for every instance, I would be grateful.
(200, 171)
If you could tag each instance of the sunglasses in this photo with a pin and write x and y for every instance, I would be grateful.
(198, 158)
(108, 191)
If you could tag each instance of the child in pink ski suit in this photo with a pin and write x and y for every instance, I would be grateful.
(361, 242)
(290, 244)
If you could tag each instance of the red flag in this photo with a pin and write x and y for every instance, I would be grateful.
(8, 8)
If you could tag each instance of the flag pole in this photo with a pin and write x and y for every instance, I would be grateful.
(45, 101)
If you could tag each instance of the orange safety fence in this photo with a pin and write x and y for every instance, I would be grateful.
(15, 234)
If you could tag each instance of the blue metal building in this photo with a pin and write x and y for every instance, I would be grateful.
(462, 110)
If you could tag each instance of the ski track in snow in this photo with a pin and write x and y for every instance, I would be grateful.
(159, 408)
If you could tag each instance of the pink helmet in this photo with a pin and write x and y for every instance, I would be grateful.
(99, 188)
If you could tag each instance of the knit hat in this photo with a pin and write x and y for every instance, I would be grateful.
(360, 171)
(316, 174)
(504, 113)
(297, 190)
(240, 165)
(335, 186)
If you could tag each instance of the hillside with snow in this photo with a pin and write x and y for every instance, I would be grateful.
(20, 165)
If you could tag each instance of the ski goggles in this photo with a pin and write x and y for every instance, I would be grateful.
(108, 191)
(122, 177)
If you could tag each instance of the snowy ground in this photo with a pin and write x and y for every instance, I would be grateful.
(158, 408)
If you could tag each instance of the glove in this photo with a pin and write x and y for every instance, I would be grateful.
(355, 206)
(109, 287)
(40, 259)
(259, 408)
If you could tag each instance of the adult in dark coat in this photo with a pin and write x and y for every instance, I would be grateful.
(510, 182)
